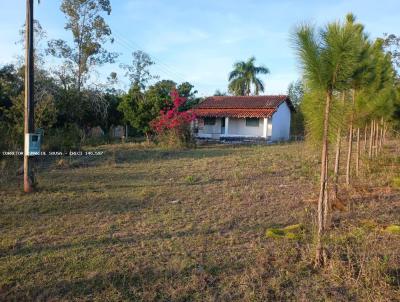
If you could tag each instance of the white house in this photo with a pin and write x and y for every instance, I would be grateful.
(234, 117)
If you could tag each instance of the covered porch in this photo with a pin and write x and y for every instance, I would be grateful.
(220, 128)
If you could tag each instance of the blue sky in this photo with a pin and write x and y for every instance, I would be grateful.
(199, 40)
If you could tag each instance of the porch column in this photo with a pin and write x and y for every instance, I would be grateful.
(226, 125)
(265, 128)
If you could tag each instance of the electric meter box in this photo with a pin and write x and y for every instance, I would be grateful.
(32, 144)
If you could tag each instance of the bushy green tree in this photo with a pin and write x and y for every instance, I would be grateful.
(296, 95)
(391, 43)
(11, 85)
(134, 111)
(186, 90)
(12, 104)
(139, 107)
(114, 116)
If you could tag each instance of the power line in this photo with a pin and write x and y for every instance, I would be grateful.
(169, 67)
(159, 62)
(160, 68)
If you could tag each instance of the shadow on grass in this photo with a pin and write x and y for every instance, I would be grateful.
(376, 197)
(136, 239)
(131, 156)
(119, 157)
(124, 283)
(135, 283)
(104, 242)
(41, 209)
(126, 180)
(394, 276)
(143, 283)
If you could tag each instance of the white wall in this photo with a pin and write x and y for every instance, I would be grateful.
(211, 131)
(237, 127)
(269, 128)
(278, 127)
(281, 123)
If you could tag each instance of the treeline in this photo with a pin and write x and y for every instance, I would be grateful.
(68, 102)
(67, 116)
(351, 91)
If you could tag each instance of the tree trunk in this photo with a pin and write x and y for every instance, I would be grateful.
(365, 138)
(323, 201)
(350, 146)
(80, 50)
(337, 163)
(349, 152)
(358, 153)
(371, 139)
(384, 133)
(381, 137)
(327, 201)
(79, 75)
(337, 158)
(376, 138)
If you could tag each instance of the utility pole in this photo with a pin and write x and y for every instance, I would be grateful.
(29, 122)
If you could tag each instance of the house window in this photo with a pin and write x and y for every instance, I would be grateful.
(252, 122)
(210, 121)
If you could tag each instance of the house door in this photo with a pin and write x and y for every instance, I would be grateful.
(222, 125)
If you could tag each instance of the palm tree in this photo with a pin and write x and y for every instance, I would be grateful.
(327, 62)
(244, 76)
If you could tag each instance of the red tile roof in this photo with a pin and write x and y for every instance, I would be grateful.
(241, 106)
(239, 113)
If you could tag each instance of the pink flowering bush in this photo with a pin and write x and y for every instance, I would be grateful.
(173, 126)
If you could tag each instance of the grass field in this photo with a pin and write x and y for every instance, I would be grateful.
(143, 224)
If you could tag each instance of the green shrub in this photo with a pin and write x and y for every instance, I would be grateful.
(190, 179)
(63, 139)
(289, 232)
(396, 183)
(393, 229)
(97, 141)
(275, 233)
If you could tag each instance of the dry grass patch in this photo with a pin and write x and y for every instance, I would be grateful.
(144, 224)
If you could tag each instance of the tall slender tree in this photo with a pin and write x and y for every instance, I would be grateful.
(327, 61)
(139, 71)
(377, 98)
(90, 33)
(359, 78)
